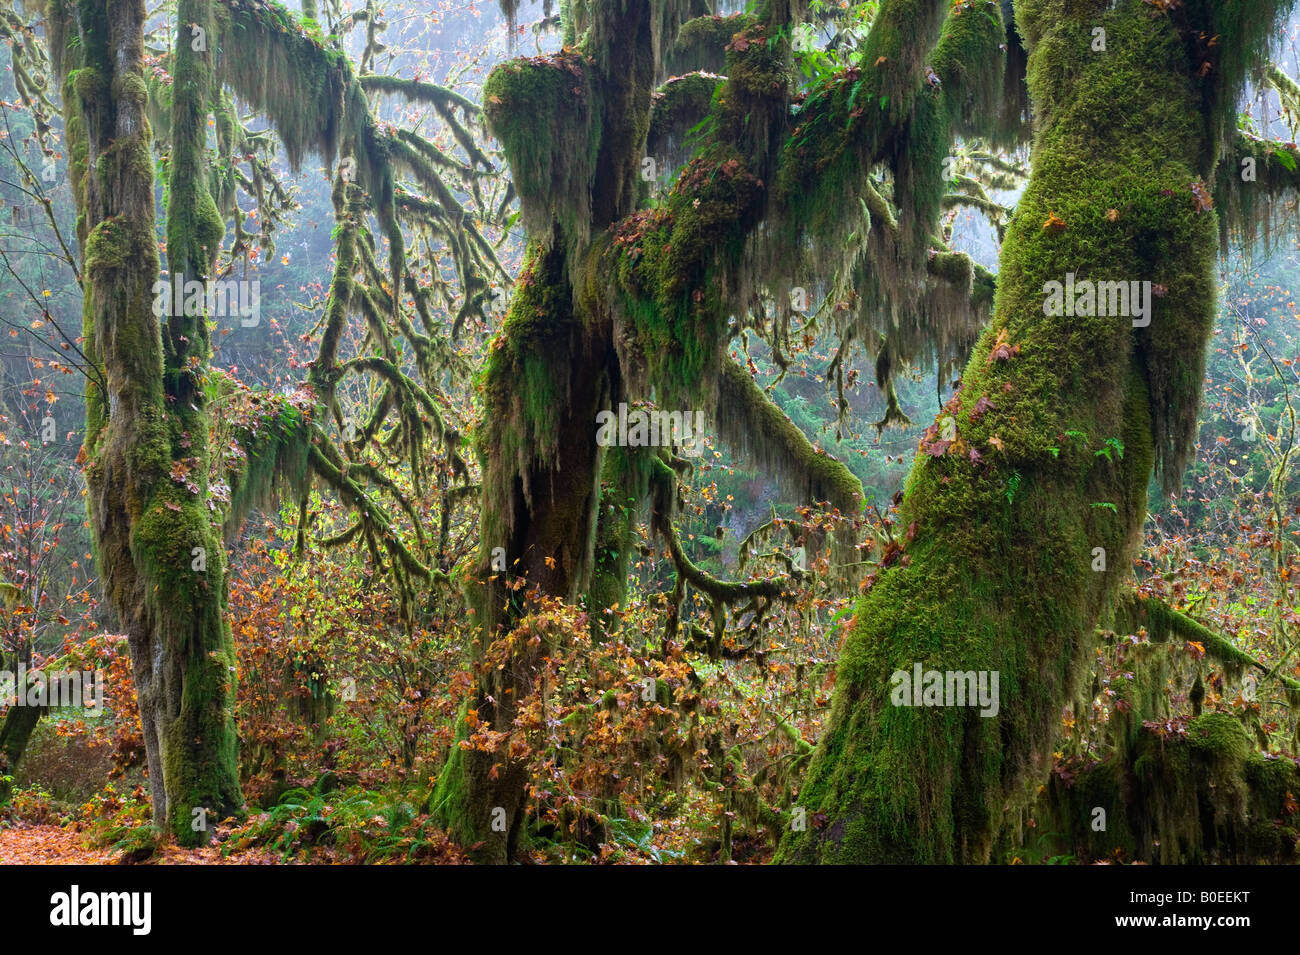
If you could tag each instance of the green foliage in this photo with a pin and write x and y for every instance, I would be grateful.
(353, 824)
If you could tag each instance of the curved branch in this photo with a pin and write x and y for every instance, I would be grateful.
(1163, 622)
(750, 422)
(722, 591)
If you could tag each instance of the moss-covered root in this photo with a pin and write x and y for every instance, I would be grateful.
(1042, 457)
(1203, 797)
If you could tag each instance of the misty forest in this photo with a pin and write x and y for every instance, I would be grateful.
(650, 431)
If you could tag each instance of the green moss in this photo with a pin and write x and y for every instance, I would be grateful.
(753, 424)
(701, 43)
(679, 105)
(277, 453)
(544, 112)
(88, 83)
(1203, 796)
(969, 61)
(145, 525)
(1253, 210)
(520, 385)
(106, 248)
(302, 86)
(675, 272)
(625, 480)
(912, 291)
(668, 267)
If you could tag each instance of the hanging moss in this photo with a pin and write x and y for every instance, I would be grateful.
(655, 25)
(275, 448)
(299, 84)
(969, 62)
(1195, 798)
(679, 105)
(520, 386)
(307, 91)
(545, 115)
(673, 274)
(195, 227)
(702, 43)
(911, 290)
(671, 270)
(755, 426)
(1177, 787)
(1255, 191)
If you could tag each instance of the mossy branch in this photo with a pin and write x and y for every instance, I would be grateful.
(375, 523)
(1195, 797)
(791, 732)
(1163, 623)
(677, 107)
(1256, 187)
(722, 591)
(702, 43)
(758, 429)
(418, 91)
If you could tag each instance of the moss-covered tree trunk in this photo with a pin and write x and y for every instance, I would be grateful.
(552, 369)
(1002, 572)
(15, 732)
(146, 430)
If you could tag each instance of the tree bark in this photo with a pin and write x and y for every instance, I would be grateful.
(553, 370)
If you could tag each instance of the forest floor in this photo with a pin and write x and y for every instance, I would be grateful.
(55, 845)
(47, 845)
